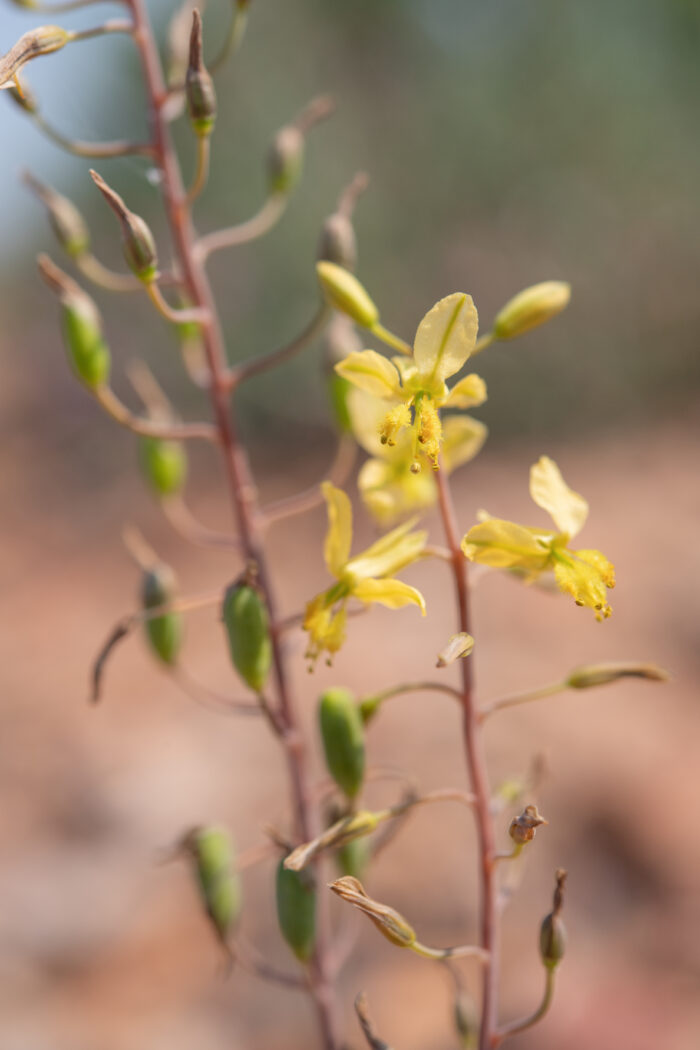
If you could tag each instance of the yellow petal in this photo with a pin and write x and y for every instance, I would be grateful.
(336, 549)
(326, 627)
(548, 489)
(389, 554)
(505, 545)
(371, 372)
(391, 491)
(583, 580)
(467, 393)
(446, 336)
(366, 414)
(392, 593)
(462, 439)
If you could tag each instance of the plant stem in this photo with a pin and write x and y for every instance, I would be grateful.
(241, 488)
(478, 776)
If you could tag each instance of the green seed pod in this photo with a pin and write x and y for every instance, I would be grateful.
(67, 223)
(164, 632)
(164, 464)
(345, 293)
(199, 86)
(296, 910)
(81, 324)
(247, 624)
(552, 941)
(353, 858)
(285, 160)
(138, 243)
(218, 882)
(343, 739)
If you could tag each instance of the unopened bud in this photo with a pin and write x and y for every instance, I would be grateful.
(459, 646)
(602, 674)
(388, 921)
(217, 880)
(552, 930)
(466, 1020)
(199, 86)
(248, 628)
(66, 221)
(164, 465)
(137, 240)
(296, 910)
(345, 293)
(177, 43)
(20, 92)
(530, 308)
(338, 243)
(343, 739)
(164, 633)
(522, 829)
(37, 42)
(285, 160)
(82, 326)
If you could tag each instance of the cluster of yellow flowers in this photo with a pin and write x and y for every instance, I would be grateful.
(394, 406)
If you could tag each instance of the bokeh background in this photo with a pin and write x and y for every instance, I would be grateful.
(507, 143)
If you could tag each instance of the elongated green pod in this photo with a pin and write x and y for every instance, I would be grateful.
(296, 910)
(218, 882)
(164, 632)
(353, 858)
(82, 333)
(164, 465)
(248, 628)
(343, 738)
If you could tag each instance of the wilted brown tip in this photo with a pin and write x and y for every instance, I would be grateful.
(196, 45)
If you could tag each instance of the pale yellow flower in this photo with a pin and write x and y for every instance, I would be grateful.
(389, 484)
(368, 576)
(584, 574)
(416, 385)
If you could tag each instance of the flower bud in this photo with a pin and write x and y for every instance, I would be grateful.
(164, 633)
(137, 240)
(522, 829)
(552, 930)
(67, 223)
(602, 674)
(82, 326)
(199, 86)
(389, 923)
(218, 882)
(345, 293)
(164, 464)
(338, 243)
(285, 160)
(37, 42)
(247, 624)
(343, 739)
(466, 1020)
(530, 308)
(459, 646)
(296, 910)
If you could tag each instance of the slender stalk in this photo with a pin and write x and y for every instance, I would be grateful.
(99, 274)
(170, 313)
(270, 212)
(116, 25)
(248, 369)
(522, 698)
(528, 1022)
(157, 428)
(483, 342)
(94, 150)
(478, 776)
(201, 174)
(240, 483)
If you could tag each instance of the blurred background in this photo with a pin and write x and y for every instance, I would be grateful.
(507, 143)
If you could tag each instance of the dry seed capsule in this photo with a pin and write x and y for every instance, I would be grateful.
(164, 464)
(247, 624)
(66, 221)
(345, 293)
(164, 632)
(343, 739)
(81, 325)
(218, 882)
(199, 86)
(296, 910)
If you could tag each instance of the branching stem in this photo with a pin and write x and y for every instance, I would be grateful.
(233, 236)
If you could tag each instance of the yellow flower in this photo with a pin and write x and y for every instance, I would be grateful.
(389, 484)
(584, 574)
(416, 385)
(367, 576)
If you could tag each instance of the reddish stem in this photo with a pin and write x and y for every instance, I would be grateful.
(240, 483)
(478, 776)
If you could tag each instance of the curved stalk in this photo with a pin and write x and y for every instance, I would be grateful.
(263, 221)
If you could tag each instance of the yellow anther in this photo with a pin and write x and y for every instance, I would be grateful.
(393, 422)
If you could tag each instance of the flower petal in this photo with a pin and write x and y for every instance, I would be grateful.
(505, 545)
(549, 491)
(336, 550)
(371, 372)
(446, 336)
(462, 439)
(469, 392)
(392, 593)
(391, 491)
(389, 554)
